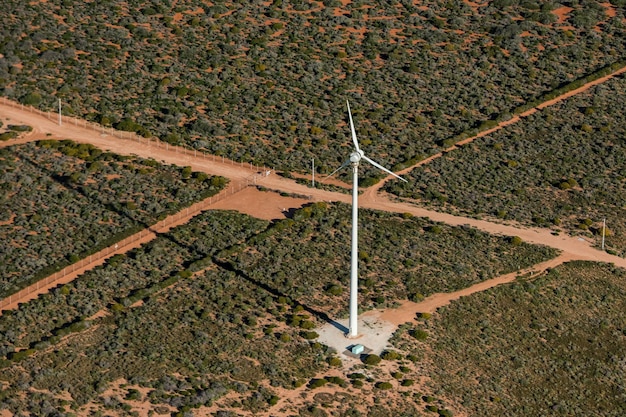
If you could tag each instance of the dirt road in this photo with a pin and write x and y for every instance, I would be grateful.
(49, 128)
(269, 205)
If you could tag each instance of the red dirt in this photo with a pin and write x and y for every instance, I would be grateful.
(562, 14)
(268, 205)
(609, 9)
(255, 203)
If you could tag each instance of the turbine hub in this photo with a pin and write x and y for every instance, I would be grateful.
(356, 156)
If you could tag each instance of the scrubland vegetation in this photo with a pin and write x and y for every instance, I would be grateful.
(61, 201)
(12, 131)
(266, 82)
(307, 257)
(237, 325)
(550, 346)
(226, 307)
(563, 167)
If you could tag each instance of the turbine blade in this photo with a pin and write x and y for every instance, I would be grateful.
(379, 166)
(345, 164)
(356, 143)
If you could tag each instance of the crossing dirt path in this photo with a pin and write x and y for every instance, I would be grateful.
(270, 205)
(373, 190)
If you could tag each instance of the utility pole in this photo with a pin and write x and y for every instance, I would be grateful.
(313, 172)
(60, 119)
(603, 231)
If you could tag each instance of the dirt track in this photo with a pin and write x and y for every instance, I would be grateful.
(579, 249)
(270, 205)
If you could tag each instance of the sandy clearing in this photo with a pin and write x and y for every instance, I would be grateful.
(268, 204)
(562, 13)
(376, 327)
(257, 203)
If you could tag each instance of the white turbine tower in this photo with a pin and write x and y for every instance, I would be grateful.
(355, 158)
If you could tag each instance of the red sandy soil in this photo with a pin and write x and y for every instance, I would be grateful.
(473, 5)
(271, 205)
(254, 203)
(610, 9)
(562, 13)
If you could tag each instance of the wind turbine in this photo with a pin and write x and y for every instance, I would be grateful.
(355, 158)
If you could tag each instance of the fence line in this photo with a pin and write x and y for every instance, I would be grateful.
(122, 134)
(159, 227)
(95, 259)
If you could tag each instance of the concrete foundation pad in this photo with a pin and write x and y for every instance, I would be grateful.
(373, 333)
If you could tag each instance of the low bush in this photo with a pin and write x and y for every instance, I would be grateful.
(309, 335)
(390, 355)
(372, 359)
(317, 383)
(419, 334)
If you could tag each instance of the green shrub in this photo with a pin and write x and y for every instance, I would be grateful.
(7, 136)
(436, 229)
(185, 273)
(317, 382)
(334, 290)
(419, 334)
(336, 380)
(334, 361)
(22, 354)
(384, 385)
(309, 335)
(307, 325)
(372, 359)
(133, 395)
(390, 355)
(20, 128)
(32, 99)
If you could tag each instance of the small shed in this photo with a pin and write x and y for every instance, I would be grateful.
(357, 349)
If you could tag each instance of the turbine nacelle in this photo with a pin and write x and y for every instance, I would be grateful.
(355, 157)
